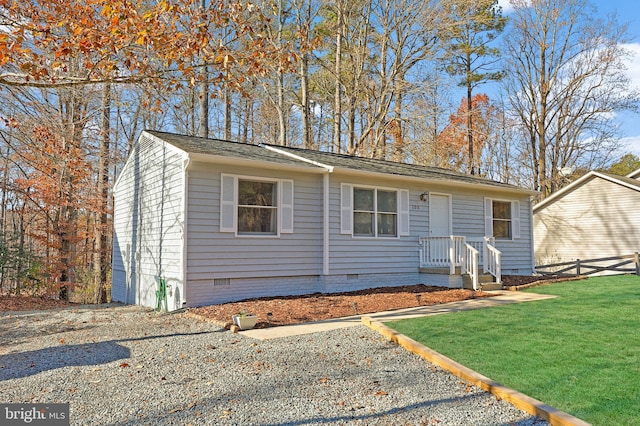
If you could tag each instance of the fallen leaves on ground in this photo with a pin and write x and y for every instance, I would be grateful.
(31, 303)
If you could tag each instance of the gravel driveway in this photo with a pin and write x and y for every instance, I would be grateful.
(127, 365)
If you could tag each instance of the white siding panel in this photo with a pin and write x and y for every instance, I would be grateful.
(597, 219)
(148, 225)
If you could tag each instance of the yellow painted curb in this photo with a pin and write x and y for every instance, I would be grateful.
(517, 399)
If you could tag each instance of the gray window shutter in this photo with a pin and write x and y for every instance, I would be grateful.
(286, 206)
(488, 217)
(346, 209)
(403, 213)
(228, 203)
(515, 219)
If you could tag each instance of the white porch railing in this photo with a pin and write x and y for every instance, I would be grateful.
(480, 244)
(470, 264)
(451, 252)
(493, 262)
(442, 252)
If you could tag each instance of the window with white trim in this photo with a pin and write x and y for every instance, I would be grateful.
(256, 206)
(374, 212)
(502, 219)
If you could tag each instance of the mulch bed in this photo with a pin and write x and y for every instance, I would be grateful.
(510, 282)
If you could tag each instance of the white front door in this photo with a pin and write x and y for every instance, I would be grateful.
(439, 215)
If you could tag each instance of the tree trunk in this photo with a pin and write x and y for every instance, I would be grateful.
(102, 239)
(203, 100)
(306, 113)
(337, 102)
(472, 169)
(227, 112)
(398, 145)
(203, 122)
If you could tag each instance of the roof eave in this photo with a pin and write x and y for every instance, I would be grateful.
(442, 182)
(634, 174)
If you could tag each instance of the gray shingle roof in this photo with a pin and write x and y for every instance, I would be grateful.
(389, 167)
(218, 147)
(197, 145)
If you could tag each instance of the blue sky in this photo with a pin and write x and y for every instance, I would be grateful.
(627, 11)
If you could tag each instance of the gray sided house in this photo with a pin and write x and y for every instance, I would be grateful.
(596, 216)
(221, 221)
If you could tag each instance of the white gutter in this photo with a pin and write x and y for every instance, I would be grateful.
(185, 203)
(325, 224)
(531, 237)
(325, 195)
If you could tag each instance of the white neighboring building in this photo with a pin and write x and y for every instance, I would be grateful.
(596, 216)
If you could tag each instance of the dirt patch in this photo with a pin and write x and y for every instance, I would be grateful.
(288, 310)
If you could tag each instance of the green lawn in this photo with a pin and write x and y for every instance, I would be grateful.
(579, 352)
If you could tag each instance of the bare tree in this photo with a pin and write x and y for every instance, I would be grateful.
(567, 80)
(394, 36)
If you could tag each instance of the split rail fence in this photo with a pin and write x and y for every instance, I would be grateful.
(626, 264)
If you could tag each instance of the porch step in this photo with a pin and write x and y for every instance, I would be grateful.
(490, 286)
(485, 282)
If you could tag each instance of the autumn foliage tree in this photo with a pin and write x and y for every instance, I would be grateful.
(56, 184)
(452, 147)
(51, 50)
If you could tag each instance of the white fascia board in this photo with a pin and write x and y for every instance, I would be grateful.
(299, 158)
(618, 181)
(634, 174)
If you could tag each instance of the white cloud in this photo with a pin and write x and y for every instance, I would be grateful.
(633, 64)
(506, 6)
(631, 145)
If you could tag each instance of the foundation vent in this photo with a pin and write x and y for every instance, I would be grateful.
(221, 282)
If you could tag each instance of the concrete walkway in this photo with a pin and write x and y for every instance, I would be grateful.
(502, 298)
